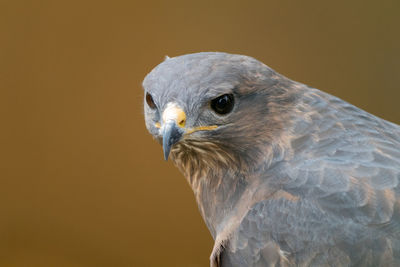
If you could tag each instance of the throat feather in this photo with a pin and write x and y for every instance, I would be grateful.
(202, 160)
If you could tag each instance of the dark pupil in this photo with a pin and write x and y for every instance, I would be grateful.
(150, 101)
(223, 104)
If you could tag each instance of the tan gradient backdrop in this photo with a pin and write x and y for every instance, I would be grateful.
(81, 181)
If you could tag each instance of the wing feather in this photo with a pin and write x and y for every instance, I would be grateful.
(344, 172)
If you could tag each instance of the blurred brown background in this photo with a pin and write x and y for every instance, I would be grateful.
(81, 181)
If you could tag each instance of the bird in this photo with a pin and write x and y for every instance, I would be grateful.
(283, 174)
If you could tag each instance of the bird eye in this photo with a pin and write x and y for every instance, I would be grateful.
(150, 101)
(223, 104)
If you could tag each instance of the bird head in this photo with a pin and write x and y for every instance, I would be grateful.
(214, 108)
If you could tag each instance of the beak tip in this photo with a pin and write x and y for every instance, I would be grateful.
(166, 155)
(166, 150)
(171, 135)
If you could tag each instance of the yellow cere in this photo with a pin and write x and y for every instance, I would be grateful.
(195, 129)
(175, 113)
(172, 112)
(201, 128)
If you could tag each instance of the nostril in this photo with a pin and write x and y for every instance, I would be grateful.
(182, 122)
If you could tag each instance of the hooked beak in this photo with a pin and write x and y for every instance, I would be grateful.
(172, 133)
(174, 120)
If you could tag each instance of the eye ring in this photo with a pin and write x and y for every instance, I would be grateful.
(223, 104)
(150, 101)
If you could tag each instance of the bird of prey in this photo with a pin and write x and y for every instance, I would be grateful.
(283, 174)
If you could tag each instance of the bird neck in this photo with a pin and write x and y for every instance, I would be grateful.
(223, 190)
(217, 195)
(214, 177)
(225, 198)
